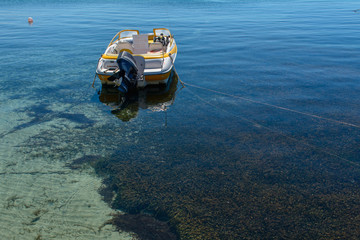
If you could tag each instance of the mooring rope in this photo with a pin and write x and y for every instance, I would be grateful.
(272, 105)
(279, 132)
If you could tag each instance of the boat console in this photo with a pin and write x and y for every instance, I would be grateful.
(162, 39)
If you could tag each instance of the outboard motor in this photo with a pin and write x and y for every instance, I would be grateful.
(130, 72)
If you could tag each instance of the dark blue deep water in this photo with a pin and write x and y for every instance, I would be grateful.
(263, 142)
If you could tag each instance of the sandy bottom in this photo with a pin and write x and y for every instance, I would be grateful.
(40, 198)
(53, 205)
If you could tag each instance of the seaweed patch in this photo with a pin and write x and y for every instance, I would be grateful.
(144, 226)
(79, 163)
(247, 191)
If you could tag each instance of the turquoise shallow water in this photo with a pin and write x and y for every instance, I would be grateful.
(285, 174)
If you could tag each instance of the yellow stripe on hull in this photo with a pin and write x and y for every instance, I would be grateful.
(158, 77)
(148, 78)
(103, 77)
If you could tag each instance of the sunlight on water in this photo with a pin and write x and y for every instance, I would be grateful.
(191, 161)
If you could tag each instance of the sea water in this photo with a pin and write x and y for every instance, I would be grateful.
(264, 138)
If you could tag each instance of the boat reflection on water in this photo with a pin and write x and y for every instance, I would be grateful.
(126, 106)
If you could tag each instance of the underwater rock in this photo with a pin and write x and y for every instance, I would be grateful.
(79, 163)
(144, 226)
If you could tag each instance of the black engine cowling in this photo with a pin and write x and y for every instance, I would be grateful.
(131, 70)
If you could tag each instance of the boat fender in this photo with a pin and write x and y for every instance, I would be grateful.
(172, 60)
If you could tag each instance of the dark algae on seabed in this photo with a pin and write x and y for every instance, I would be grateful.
(254, 184)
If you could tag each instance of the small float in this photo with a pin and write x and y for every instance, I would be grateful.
(133, 60)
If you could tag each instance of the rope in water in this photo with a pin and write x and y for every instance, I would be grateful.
(279, 132)
(272, 105)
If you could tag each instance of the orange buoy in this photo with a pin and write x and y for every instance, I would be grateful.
(30, 20)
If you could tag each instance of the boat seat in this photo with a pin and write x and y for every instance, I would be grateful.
(122, 46)
(156, 46)
(111, 49)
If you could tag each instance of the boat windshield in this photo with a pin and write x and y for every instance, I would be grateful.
(159, 31)
(128, 33)
(123, 34)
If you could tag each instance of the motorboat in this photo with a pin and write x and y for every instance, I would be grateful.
(134, 60)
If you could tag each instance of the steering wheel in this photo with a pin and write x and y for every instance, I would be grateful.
(163, 39)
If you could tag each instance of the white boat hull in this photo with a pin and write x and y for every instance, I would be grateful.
(158, 64)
